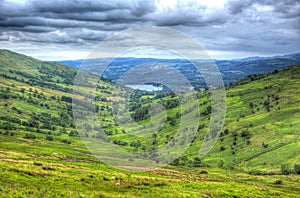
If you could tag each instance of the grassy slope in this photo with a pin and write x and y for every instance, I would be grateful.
(276, 125)
(76, 173)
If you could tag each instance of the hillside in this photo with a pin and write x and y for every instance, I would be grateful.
(42, 155)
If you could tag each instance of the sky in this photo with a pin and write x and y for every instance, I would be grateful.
(226, 29)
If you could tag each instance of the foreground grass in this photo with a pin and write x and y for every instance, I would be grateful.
(46, 175)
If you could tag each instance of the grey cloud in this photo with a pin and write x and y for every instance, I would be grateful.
(176, 19)
(41, 8)
(188, 15)
(249, 25)
(287, 8)
(281, 43)
(237, 6)
(69, 35)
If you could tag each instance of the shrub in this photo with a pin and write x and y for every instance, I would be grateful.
(47, 168)
(66, 99)
(7, 126)
(278, 182)
(261, 172)
(66, 141)
(286, 169)
(203, 172)
(30, 136)
(297, 168)
(226, 131)
(197, 162)
(246, 134)
(265, 145)
(73, 133)
(49, 137)
(38, 163)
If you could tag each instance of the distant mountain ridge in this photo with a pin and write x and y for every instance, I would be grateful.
(294, 56)
(231, 70)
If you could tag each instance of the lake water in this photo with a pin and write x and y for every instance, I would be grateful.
(145, 87)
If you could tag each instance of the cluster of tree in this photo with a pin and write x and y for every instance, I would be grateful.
(185, 161)
(286, 169)
(48, 121)
(30, 136)
(245, 135)
(5, 93)
(52, 72)
(169, 104)
(141, 114)
(66, 99)
(120, 142)
(136, 144)
(19, 111)
(35, 80)
(171, 120)
(7, 126)
(207, 111)
(41, 83)
(7, 133)
(11, 119)
(24, 74)
(102, 99)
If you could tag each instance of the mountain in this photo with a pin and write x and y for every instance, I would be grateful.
(72, 63)
(294, 56)
(231, 70)
(41, 154)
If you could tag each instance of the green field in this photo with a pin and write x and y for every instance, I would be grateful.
(41, 155)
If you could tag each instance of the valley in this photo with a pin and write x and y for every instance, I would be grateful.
(42, 155)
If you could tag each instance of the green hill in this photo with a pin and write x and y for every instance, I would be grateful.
(42, 155)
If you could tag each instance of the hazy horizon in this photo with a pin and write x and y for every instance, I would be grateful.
(79, 59)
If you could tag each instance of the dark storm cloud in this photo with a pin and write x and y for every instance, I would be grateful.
(75, 9)
(68, 16)
(61, 13)
(228, 25)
